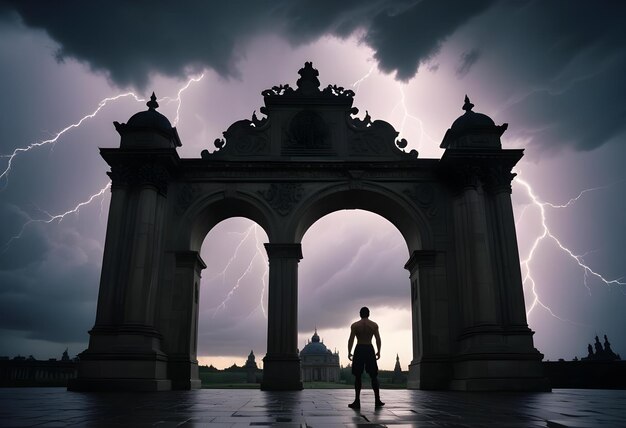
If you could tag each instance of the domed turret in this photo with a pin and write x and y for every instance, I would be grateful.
(148, 129)
(150, 118)
(473, 130)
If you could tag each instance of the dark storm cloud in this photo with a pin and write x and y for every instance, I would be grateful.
(549, 53)
(51, 298)
(565, 64)
(129, 41)
(468, 59)
(405, 40)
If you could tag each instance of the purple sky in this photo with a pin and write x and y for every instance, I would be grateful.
(553, 71)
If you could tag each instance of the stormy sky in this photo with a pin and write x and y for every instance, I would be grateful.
(553, 70)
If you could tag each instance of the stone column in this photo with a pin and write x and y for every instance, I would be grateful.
(499, 186)
(492, 354)
(429, 368)
(281, 365)
(478, 272)
(125, 347)
(108, 294)
(183, 346)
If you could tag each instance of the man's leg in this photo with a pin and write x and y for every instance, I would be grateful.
(357, 393)
(376, 388)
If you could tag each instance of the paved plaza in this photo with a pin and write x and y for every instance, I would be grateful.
(46, 407)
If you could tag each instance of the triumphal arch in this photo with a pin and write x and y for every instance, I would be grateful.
(309, 155)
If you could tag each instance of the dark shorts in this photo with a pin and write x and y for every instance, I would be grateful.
(364, 358)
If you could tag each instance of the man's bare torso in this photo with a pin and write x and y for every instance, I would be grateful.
(364, 330)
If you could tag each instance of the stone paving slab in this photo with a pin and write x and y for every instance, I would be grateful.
(328, 408)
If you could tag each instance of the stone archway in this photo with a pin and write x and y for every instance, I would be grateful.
(307, 157)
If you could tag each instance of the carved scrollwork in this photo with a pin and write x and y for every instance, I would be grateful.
(283, 196)
(360, 123)
(278, 90)
(338, 91)
(244, 137)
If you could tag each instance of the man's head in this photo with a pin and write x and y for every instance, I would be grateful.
(364, 312)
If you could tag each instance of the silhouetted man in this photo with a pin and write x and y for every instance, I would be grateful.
(364, 356)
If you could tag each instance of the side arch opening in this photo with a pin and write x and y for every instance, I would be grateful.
(232, 316)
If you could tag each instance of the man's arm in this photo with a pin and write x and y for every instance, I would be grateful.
(378, 342)
(351, 342)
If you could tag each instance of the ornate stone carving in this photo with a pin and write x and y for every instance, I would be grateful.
(283, 196)
(308, 86)
(244, 137)
(338, 91)
(467, 176)
(498, 178)
(423, 194)
(121, 176)
(154, 175)
(308, 83)
(278, 90)
(130, 175)
(307, 134)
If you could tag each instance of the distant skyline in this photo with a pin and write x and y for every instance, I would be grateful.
(552, 70)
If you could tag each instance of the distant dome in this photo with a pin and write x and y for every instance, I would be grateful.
(471, 120)
(315, 347)
(150, 118)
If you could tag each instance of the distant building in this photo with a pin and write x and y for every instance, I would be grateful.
(318, 363)
(602, 353)
(22, 371)
(251, 368)
(398, 376)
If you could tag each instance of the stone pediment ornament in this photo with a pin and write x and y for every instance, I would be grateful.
(376, 139)
(244, 137)
(308, 120)
(308, 86)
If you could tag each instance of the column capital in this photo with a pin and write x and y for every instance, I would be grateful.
(284, 251)
(420, 258)
(190, 259)
(498, 178)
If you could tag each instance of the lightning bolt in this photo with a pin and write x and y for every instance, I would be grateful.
(52, 141)
(357, 84)
(407, 117)
(20, 150)
(547, 234)
(252, 231)
(52, 217)
(178, 98)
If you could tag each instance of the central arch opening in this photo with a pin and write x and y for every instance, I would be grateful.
(355, 258)
(233, 297)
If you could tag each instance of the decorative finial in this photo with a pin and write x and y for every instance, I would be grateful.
(308, 83)
(468, 106)
(152, 104)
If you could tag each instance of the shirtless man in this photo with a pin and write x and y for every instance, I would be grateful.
(364, 357)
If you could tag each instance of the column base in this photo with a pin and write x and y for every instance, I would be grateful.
(184, 374)
(281, 373)
(429, 375)
(507, 374)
